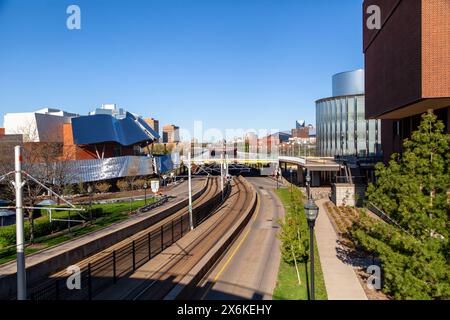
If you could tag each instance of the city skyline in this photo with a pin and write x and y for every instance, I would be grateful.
(185, 62)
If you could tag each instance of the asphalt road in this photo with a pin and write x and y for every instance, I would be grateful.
(249, 269)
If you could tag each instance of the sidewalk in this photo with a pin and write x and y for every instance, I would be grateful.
(341, 280)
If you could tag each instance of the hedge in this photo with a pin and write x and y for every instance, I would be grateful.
(43, 226)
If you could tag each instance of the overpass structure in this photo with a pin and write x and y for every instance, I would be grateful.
(322, 170)
(240, 161)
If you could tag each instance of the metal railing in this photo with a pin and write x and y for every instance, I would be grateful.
(107, 270)
(383, 216)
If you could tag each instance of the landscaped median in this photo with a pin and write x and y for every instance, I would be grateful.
(294, 263)
(48, 233)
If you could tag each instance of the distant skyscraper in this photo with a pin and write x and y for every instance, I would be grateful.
(300, 124)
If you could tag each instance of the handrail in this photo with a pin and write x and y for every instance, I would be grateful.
(385, 217)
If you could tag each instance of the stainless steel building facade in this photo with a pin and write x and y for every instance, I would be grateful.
(342, 129)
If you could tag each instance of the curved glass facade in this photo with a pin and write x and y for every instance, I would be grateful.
(342, 129)
(348, 83)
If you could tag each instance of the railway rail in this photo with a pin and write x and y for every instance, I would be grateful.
(186, 256)
(108, 266)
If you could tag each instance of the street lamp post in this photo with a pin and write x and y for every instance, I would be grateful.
(278, 177)
(20, 234)
(311, 211)
(145, 193)
(191, 219)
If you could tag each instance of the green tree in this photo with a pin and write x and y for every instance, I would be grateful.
(294, 230)
(413, 191)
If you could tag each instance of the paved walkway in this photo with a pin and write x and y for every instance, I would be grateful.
(341, 281)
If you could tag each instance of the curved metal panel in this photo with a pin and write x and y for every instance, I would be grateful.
(101, 128)
(105, 169)
(164, 164)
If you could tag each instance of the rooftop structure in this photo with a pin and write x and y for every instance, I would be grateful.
(109, 109)
(44, 125)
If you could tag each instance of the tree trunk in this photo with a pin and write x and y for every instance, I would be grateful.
(296, 267)
(31, 226)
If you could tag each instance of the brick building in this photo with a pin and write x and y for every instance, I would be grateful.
(153, 123)
(171, 134)
(407, 65)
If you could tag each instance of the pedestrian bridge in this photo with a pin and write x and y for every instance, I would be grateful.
(312, 164)
(322, 170)
(233, 158)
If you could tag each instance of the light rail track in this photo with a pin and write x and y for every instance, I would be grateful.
(106, 267)
(178, 266)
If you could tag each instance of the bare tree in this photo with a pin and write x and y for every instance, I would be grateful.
(45, 161)
(103, 187)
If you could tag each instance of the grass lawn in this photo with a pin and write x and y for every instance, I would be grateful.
(287, 285)
(114, 212)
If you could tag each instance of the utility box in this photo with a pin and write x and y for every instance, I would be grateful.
(348, 194)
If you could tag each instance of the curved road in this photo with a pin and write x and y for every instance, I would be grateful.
(249, 269)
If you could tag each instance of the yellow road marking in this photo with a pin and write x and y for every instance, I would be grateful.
(258, 205)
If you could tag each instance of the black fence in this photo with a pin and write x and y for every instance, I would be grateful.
(107, 270)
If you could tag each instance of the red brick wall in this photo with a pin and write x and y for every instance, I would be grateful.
(2, 131)
(436, 48)
(300, 133)
(393, 67)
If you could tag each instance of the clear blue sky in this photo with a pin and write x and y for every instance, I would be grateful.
(230, 63)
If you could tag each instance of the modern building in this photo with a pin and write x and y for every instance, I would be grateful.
(342, 129)
(44, 125)
(171, 134)
(96, 147)
(96, 136)
(102, 136)
(109, 109)
(407, 67)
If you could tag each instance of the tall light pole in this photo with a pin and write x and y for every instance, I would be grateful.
(145, 193)
(90, 191)
(311, 211)
(191, 221)
(221, 173)
(20, 238)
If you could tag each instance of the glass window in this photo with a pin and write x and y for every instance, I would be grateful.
(351, 126)
(361, 127)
